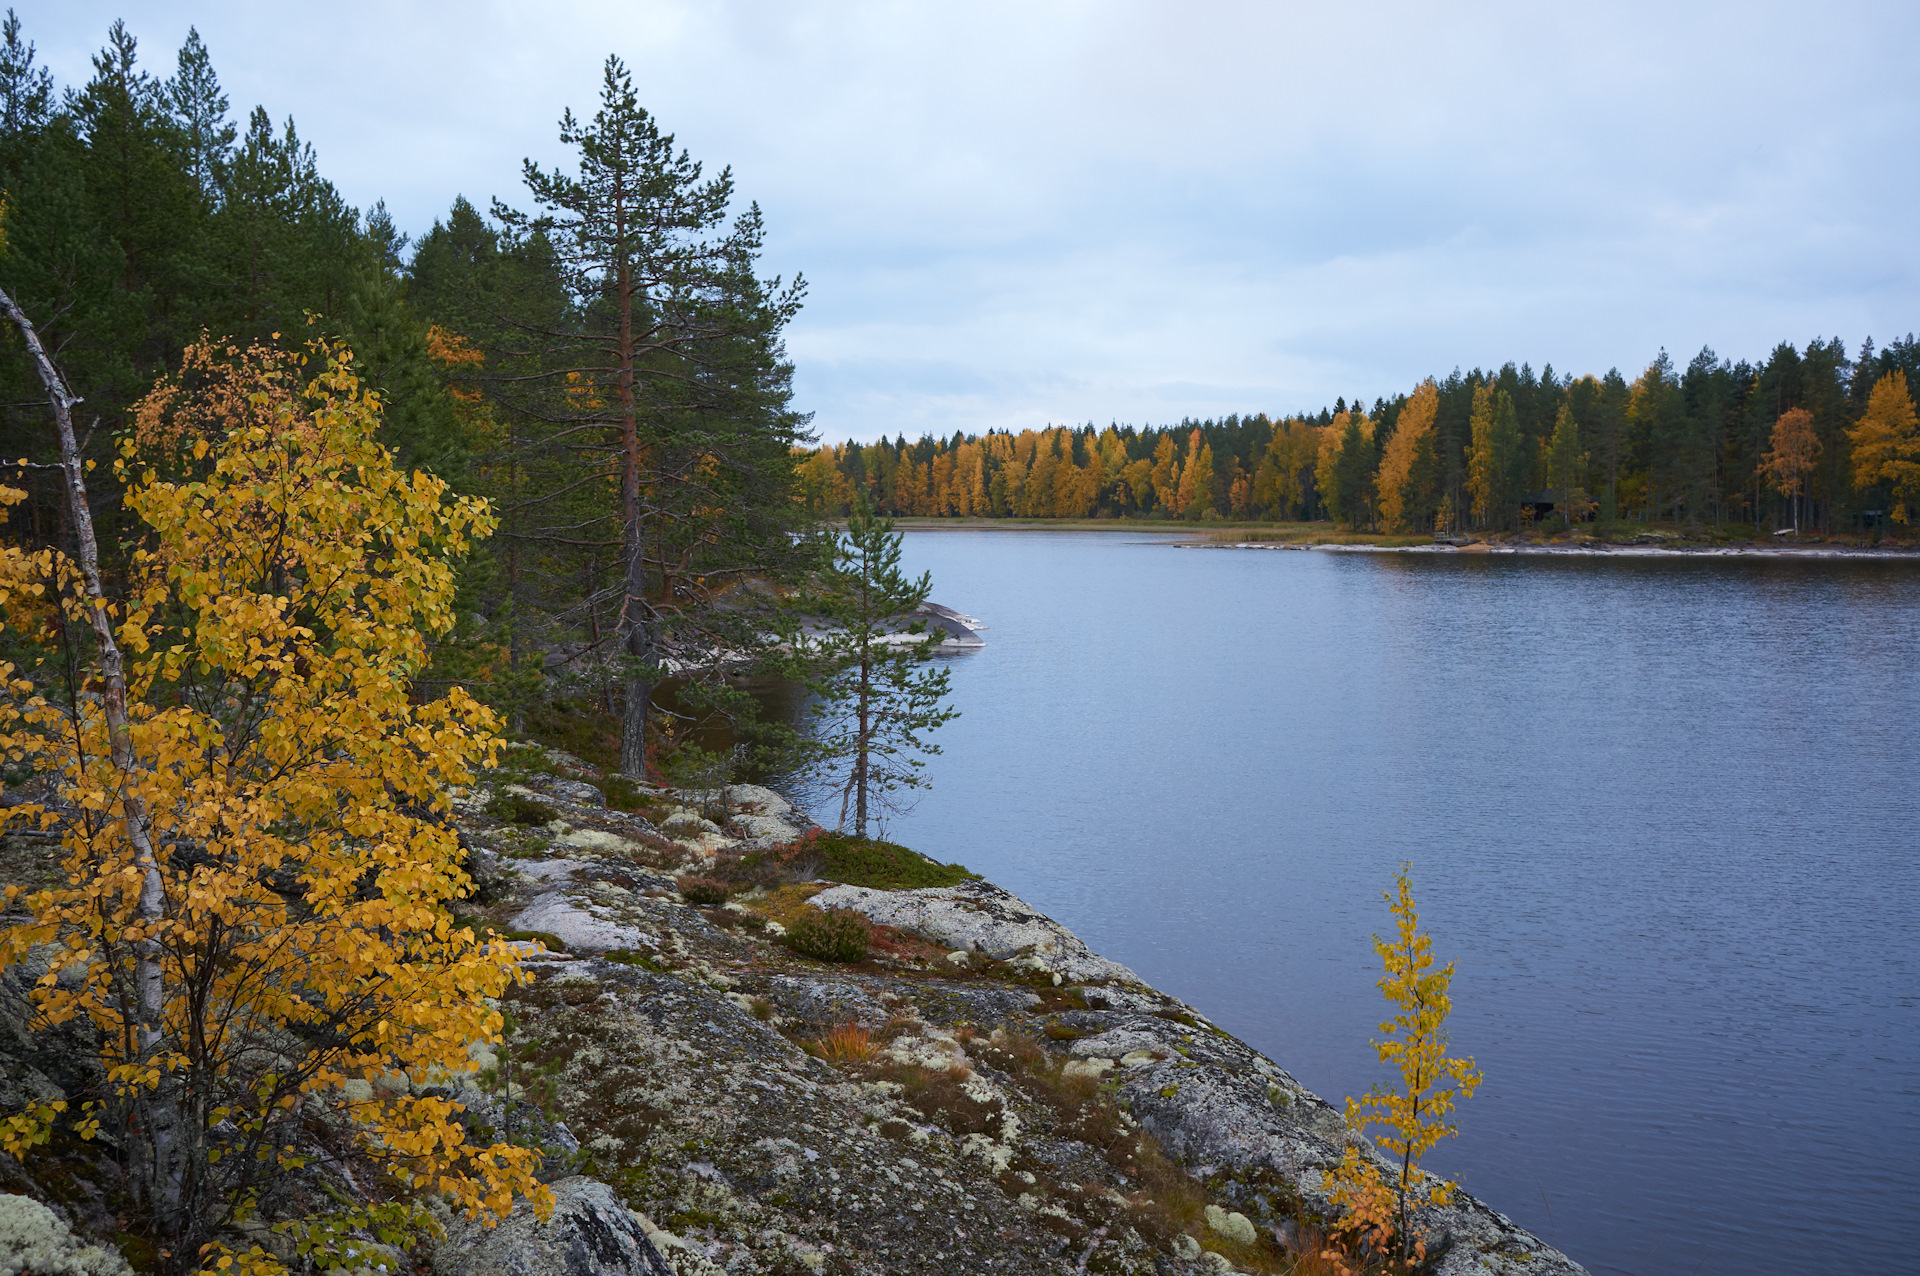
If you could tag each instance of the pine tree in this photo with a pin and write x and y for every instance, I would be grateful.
(26, 91)
(857, 649)
(669, 383)
(1567, 468)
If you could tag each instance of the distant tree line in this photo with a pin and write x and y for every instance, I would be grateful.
(604, 364)
(1811, 438)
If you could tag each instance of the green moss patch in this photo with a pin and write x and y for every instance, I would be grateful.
(885, 866)
(518, 808)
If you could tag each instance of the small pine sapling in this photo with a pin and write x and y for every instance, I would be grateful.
(1379, 1210)
(867, 664)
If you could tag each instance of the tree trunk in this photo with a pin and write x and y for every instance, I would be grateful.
(866, 745)
(150, 990)
(635, 619)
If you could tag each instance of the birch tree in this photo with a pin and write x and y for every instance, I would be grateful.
(258, 856)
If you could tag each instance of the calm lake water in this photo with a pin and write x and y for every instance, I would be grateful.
(1662, 814)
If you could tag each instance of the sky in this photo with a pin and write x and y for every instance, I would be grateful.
(1017, 214)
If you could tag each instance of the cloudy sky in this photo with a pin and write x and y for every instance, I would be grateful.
(1014, 214)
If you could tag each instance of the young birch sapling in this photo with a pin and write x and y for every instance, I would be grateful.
(1379, 1211)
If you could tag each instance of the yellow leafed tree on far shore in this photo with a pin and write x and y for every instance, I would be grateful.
(1886, 445)
(1415, 426)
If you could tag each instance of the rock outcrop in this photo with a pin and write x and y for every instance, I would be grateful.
(982, 1094)
(980, 917)
(589, 1233)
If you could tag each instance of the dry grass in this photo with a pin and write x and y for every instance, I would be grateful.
(901, 946)
(843, 1044)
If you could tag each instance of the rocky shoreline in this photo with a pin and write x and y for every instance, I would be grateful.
(1590, 549)
(982, 1093)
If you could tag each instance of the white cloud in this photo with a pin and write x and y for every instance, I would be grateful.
(1016, 213)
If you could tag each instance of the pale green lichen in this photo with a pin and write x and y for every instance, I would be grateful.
(33, 1239)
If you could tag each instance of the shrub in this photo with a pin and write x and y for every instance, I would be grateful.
(624, 794)
(518, 808)
(838, 934)
(706, 892)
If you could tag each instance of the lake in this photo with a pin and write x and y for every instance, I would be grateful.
(1661, 815)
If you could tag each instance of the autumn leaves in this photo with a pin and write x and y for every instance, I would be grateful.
(303, 953)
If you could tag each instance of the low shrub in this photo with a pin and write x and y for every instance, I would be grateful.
(518, 808)
(889, 942)
(787, 904)
(943, 1099)
(838, 934)
(1013, 1053)
(706, 892)
(624, 794)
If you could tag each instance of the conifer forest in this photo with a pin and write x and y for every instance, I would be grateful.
(1811, 437)
(427, 655)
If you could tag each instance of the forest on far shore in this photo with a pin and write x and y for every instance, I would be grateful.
(1808, 438)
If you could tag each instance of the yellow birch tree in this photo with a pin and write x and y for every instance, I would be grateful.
(258, 855)
(1790, 460)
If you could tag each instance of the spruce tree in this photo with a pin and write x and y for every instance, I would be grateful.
(26, 91)
(205, 134)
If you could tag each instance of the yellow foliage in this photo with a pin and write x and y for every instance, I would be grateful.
(1412, 1114)
(303, 947)
(449, 349)
(1795, 447)
(1396, 462)
(1886, 444)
